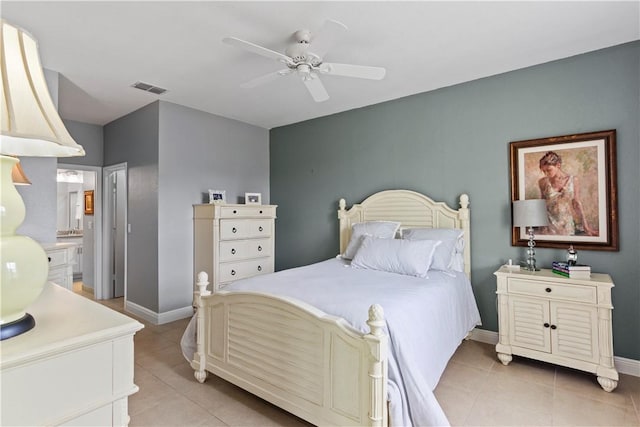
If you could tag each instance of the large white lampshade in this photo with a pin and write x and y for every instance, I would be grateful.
(30, 126)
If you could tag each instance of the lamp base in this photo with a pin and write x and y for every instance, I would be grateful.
(15, 328)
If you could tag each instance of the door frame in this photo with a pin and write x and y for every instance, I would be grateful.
(107, 248)
(97, 224)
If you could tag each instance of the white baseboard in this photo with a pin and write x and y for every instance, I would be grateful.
(623, 365)
(157, 318)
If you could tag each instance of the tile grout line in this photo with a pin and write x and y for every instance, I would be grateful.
(475, 397)
(184, 395)
(636, 407)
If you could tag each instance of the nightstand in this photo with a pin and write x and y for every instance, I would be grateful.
(547, 317)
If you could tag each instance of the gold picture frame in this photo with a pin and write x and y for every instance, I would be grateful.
(88, 202)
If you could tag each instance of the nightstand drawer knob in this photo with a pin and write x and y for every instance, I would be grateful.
(546, 325)
(548, 290)
(49, 258)
(235, 211)
(259, 248)
(234, 230)
(233, 251)
(259, 268)
(260, 228)
(233, 272)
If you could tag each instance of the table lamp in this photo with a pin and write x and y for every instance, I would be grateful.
(30, 126)
(530, 213)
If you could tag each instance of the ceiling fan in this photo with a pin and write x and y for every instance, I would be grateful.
(305, 58)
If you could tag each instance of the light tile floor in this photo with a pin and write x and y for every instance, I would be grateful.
(475, 390)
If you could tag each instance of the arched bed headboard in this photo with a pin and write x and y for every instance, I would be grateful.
(412, 210)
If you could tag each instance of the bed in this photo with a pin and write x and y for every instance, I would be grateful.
(330, 342)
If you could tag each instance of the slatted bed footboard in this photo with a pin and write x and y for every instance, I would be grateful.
(295, 356)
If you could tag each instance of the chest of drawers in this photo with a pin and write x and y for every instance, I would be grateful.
(233, 242)
(559, 320)
(75, 367)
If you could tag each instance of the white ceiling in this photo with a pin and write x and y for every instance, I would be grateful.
(102, 48)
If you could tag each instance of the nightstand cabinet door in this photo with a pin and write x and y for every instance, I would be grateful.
(576, 331)
(530, 321)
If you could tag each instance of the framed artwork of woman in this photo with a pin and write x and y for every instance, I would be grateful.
(576, 176)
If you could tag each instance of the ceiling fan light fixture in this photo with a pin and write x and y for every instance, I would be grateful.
(297, 52)
(305, 57)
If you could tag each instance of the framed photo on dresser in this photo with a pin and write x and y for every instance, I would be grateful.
(576, 176)
(253, 198)
(217, 196)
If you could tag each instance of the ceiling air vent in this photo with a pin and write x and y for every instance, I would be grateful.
(149, 88)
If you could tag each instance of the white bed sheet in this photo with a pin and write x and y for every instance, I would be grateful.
(427, 318)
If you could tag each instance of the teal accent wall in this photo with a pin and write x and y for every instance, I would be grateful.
(456, 140)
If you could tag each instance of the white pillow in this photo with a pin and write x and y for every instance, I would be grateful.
(381, 229)
(395, 256)
(457, 262)
(452, 244)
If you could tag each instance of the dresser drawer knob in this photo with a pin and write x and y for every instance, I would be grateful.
(546, 325)
(259, 268)
(235, 211)
(554, 327)
(234, 230)
(233, 251)
(547, 290)
(259, 248)
(260, 211)
(49, 258)
(233, 272)
(260, 228)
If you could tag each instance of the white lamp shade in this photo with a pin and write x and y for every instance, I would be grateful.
(30, 122)
(530, 213)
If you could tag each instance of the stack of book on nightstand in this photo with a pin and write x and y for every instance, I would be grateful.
(578, 271)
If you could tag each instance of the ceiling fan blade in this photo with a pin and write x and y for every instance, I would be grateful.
(265, 79)
(349, 70)
(326, 37)
(254, 48)
(316, 89)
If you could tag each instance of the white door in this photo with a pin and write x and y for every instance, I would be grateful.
(115, 231)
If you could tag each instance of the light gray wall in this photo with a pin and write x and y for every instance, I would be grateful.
(199, 151)
(92, 140)
(174, 155)
(456, 140)
(134, 139)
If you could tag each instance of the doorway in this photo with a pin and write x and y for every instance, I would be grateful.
(115, 231)
(75, 226)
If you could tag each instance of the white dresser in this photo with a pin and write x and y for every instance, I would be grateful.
(232, 242)
(548, 317)
(74, 368)
(61, 261)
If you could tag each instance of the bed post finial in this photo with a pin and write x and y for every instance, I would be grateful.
(202, 283)
(343, 204)
(464, 201)
(376, 319)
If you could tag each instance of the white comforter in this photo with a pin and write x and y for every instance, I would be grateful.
(426, 321)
